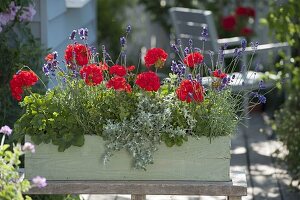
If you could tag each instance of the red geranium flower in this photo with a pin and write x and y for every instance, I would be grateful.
(155, 56)
(118, 70)
(92, 74)
(245, 11)
(103, 66)
(228, 23)
(131, 68)
(148, 81)
(49, 57)
(193, 59)
(251, 12)
(246, 31)
(190, 91)
(119, 84)
(219, 74)
(22, 79)
(81, 53)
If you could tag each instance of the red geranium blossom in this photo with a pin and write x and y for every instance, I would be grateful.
(103, 66)
(131, 68)
(49, 57)
(118, 83)
(219, 74)
(155, 56)
(245, 11)
(193, 59)
(118, 70)
(190, 91)
(246, 31)
(92, 74)
(81, 53)
(22, 79)
(229, 23)
(148, 81)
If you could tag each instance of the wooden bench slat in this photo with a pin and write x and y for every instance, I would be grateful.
(236, 187)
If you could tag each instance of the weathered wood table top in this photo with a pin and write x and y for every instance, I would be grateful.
(234, 189)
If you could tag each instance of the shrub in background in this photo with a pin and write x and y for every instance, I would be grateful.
(17, 45)
(284, 21)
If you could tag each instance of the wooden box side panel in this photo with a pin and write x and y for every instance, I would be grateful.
(194, 160)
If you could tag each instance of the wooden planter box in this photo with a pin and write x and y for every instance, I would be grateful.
(195, 160)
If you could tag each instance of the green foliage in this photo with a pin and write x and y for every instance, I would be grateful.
(19, 47)
(288, 128)
(11, 184)
(284, 21)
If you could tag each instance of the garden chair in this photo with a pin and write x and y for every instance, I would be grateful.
(188, 24)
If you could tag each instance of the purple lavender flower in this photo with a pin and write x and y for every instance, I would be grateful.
(190, 77)
(186, 50)
(190, 43)
(243, 44)
(178, 69)
(199, 78)
(39, 181)
(261, 85)
(55, 54)
(86, 32)
(73, 35)
(174, 47)
(261, 98)
(204, 33)
(122, 41)
(6, 130)
(45, 69)
(83, 32)
(128, 29)
(28, 147)
(224, 81)
(178, 42)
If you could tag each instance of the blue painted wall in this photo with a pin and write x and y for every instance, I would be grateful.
(54, 22)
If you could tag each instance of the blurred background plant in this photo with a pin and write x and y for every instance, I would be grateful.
(17, 47)
(111, 23)
(284, 21)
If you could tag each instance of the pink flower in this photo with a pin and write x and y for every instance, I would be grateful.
(28, 147)
(39, 181)
(5, 130)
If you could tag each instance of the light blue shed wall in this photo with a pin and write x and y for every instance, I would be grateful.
(54, 22)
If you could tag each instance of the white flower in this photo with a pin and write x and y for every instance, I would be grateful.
(28, 147)
(6, 130)
(39, 181)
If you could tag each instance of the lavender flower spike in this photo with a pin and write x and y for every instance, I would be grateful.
(39, 181)
(6, 130)
(72, 36)
(28, 147)
(128, 29)
(244, 44)
(204, 33)
(122, 41)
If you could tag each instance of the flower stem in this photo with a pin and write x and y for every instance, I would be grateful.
(2, 141)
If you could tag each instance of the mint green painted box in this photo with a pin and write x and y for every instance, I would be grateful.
(197, 159)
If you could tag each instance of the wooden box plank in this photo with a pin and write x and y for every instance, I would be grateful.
(200, 159)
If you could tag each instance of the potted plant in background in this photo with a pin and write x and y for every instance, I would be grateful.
(109, 120)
